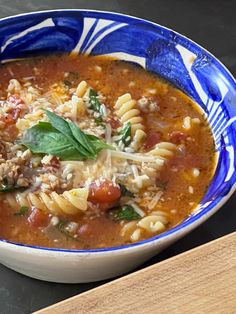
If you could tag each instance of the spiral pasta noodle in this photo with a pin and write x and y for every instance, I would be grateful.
(156, 222)
(125, 109)
(163, 150)
(70, 202)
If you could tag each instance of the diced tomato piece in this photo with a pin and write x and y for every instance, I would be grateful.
(153, 137)
(177, 137)
(37, 218)
(106, 206)
(15, 99)
(104, 192)
(115, 123)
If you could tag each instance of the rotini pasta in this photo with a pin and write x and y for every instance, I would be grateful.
(188, 122)
(125, 109)
(70, 202)
(154, 223)
(163, 150)
(138, 139)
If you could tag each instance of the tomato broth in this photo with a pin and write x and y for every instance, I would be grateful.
(96, 152)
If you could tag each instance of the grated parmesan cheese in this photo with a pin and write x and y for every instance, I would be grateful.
(155, 200)
(108, 133)
(137, 209)
(137, 157)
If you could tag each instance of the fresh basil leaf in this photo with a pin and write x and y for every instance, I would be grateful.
(125, 191)
(73, 133)
(125, 212)
(23, 211)
(62, 126)
(94, 102)
(44, 138)
(98, 144)
(82, 138)
(125, 134)
(63, 139)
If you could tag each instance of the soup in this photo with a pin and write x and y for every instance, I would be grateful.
(96, 153)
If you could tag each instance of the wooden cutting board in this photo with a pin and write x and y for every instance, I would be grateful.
(202, 280)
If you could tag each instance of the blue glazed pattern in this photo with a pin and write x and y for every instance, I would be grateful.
(155, 48)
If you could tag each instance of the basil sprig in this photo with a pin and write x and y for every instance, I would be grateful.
(125, 212)
(63, 139)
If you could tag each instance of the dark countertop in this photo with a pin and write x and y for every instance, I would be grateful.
(210, 23)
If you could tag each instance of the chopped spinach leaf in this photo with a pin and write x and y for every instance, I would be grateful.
(94, 102)
(23, 211)
(125, 134)
(125, 212)
(99, 122)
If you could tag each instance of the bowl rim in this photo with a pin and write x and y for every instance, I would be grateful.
(172, 234)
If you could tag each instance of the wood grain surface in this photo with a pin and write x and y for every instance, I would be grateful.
(202, 280)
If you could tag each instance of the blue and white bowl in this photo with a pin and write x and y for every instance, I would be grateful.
(157, 49)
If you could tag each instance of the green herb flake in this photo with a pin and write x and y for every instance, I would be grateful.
(61, 224)
(125, 212)
(125, 134)
(22, 212)
(99, 122)
(94, 102)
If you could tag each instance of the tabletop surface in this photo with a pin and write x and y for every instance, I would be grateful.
(212, 24)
